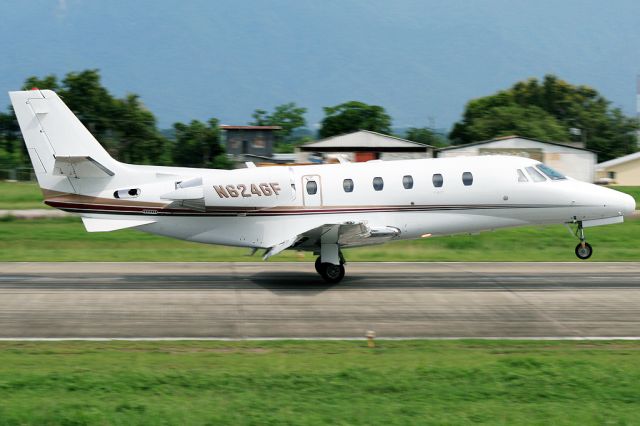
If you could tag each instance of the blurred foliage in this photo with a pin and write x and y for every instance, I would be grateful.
(197, 144)
(426, 136)
(289, 116)
(12, 150)
(353, 116)
(124, 126)
(289, 147)
(553, 110)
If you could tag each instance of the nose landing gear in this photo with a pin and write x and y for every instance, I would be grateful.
(583, 249)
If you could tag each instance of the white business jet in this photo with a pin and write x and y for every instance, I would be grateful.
(318, 208)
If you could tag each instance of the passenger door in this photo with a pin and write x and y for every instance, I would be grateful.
(312, 190)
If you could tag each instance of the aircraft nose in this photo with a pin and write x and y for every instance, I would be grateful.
(627, 204)
(622, 203)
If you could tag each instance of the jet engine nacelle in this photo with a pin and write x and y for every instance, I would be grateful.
(251, 188)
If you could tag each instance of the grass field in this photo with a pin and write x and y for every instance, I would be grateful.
(20, 195)
(303, 383)
(27, 195)
(66, 240)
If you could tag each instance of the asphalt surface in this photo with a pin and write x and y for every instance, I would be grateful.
(288, 300)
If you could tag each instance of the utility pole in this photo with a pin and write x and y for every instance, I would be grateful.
(638, 108)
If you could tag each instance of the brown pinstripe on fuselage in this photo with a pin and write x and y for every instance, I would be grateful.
(89, 204)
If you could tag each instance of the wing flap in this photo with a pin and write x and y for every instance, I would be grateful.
(346, 234)
(279, 248)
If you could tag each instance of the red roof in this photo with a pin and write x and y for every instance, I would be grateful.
(225, 127)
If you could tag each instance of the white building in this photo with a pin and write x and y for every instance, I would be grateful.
(363, 145)
(572, 160)
(620, 171)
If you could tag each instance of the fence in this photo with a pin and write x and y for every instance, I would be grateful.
(17, 174)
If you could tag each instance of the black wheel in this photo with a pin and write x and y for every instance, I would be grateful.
(332, 273)
(318, 265)
(584, 251)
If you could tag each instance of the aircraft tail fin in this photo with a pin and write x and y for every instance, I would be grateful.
(59, 145)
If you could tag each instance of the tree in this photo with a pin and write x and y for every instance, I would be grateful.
(123, 126)
(289, 116)
(549, 110)
(353, 116)
(47, 82)
(12, 150)
(426, 136)
(138, 138)
(197, 144)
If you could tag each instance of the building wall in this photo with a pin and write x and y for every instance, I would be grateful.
(389, 156)
(258, 142)
(625, 174)
(304, 157)
(577, 163)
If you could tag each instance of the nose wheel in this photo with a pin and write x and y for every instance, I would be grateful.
(583, 249)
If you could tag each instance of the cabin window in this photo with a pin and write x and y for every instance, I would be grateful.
(378, 183)
(467, 179)
(552, 174)
(437, 180)
(522, 177)
(407, 181)
(312, 187)
(535, 175)
(347, 184)
(127, 193)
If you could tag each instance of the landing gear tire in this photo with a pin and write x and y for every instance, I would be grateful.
(584, 250)
(331, 273)
(320, 268)
(318, 265)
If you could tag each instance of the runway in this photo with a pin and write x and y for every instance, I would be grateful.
(288, 300)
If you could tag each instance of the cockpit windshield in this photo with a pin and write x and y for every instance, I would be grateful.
(552, 174)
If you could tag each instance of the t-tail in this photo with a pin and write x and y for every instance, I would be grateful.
(60, 147)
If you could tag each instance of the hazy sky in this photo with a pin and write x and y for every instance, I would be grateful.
(422, 60)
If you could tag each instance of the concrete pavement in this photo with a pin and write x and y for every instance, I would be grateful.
(289, 300)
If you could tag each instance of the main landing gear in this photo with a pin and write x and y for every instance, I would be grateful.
(583, 249)
(330, 272)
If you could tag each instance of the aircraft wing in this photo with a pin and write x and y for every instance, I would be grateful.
(348, 234)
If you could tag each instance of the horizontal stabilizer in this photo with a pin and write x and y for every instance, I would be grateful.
(79, 167)
(93, 224)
